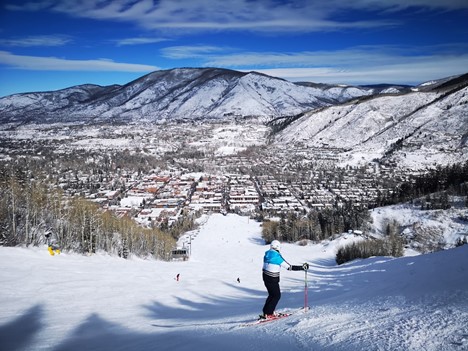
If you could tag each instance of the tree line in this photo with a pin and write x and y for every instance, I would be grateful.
(448, 180)
(392, 244)
(389, 246)
(316, 225)
(31, 207)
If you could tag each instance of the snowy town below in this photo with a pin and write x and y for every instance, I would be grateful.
(161, 175)
(156, 198)
(157, 174)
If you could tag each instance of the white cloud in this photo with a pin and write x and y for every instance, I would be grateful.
(38, 40)
(403, 73)
(369, 55)
(358, 65)
(195, 51)
(382, 63)
(217, 15)
(60, 64)
(139, 41)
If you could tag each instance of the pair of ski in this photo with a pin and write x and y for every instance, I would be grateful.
(281, 315)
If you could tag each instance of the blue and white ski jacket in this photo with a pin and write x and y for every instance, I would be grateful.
(272, 263)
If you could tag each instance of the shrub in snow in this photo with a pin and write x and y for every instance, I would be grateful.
(391, 246)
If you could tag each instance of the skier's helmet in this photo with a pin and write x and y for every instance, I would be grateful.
(275, 245)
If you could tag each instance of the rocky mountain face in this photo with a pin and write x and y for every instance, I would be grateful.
(176, 95)
(427, 126)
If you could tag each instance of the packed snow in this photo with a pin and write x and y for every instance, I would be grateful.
(101, 302)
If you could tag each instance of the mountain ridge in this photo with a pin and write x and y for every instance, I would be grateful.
(176, 95)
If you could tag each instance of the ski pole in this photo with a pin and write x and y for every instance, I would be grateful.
(306, 298)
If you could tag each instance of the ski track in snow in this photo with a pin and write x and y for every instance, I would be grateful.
(73, 302)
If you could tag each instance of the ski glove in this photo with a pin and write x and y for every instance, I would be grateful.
(295, 268)
(305, 266)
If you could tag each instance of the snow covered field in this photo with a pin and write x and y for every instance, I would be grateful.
(73, 302)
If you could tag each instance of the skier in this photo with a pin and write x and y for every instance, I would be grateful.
(52, 245)
(272, 262)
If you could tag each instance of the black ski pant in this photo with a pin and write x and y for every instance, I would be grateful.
(274, 293)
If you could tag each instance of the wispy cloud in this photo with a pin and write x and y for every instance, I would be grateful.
(356, 65)
(235, 15)
(38, 40)
(139, 41)
(370, 55)
(413, 71)
(60, 64)
(195, 51)
(166, 19)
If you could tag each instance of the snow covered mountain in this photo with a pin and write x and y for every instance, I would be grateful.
(428, 125)
(409, 126)
(177, 94)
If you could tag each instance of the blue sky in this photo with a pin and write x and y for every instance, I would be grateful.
(53, 44)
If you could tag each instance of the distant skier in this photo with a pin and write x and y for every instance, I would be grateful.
(272, 263)
(238, 280)
(177, 276)
(52, 245)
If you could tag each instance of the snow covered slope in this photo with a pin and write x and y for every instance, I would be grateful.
(72, 302)
(415, 130)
